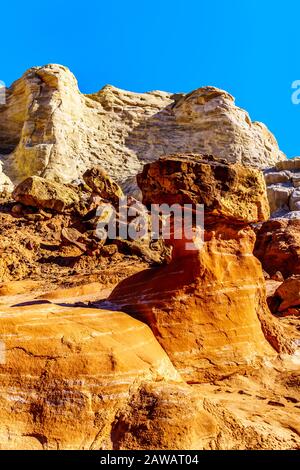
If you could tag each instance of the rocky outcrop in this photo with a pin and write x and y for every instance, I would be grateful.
(165, 416)
(100, 183)
(43, 194)
(68, 377)
(289, 294)
(49, 129)
(207, 307)
(283, 187)
(278, 246)
(232, 192)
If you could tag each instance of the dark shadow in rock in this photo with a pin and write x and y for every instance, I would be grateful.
(32, 302)
(63, 261)
(44, 246)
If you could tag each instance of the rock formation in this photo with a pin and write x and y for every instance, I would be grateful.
(99, 182)
(66, 375)
(277, 246)
(49, 129)
(289, 294)
(38, 192)
(207, 308)
(84, 378)
(100, 349)
(283, 187)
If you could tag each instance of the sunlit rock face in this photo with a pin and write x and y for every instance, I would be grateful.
(49, 129)
(207, 307)
(82, 378)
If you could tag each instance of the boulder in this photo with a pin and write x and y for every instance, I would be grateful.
(230, 191)
(41, 193)
(70, 235)
(289, 293)
(277, 246)
(98, 180)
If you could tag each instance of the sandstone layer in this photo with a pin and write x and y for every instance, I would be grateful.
(84, 378)
(49, 129)
(66, 373)
(207, 307)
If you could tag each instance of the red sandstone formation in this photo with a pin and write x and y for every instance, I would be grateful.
(207, 308)
(278, 246)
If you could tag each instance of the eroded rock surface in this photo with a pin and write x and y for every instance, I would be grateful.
(207, 307)
(38, 192)
(49, 129)
(67, 372)
(283, 183)
(278, 246)
(84, 378)
(286, 298)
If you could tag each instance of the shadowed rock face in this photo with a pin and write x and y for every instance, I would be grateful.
(207, 308)
(278, 246)
(283, 188)
(38, 192)
(48, 128)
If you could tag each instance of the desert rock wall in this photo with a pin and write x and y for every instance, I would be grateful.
(48, 128)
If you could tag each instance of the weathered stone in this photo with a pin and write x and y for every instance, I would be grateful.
(294, 202)
(227, 190)
(279, 196)
(289, 293)
(283, 187)
(274, 177)
(72, 236)
(193, 304)
(291, 164)
(48, 128)
(44, 194)
(99, 181)
(278, 246)
(165, 415)
(277, 277)
(69, 374)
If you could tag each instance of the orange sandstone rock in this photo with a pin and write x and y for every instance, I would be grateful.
(207, 308)
(70, 377)
(278, 246)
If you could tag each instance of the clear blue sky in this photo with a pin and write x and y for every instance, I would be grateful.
(248, 47)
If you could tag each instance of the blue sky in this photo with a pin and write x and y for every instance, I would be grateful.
(248, 47)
